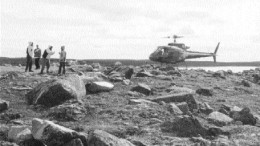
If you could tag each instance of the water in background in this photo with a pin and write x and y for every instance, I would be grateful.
(225, 68)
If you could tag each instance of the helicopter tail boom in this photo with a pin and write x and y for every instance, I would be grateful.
(215, 53)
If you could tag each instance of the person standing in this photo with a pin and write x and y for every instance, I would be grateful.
(29, 52)
(62, 60)
(46, 58)
(37, 56)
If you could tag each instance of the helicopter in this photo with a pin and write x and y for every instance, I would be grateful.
(177, 52)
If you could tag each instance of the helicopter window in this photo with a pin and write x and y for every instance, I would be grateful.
(158, 49)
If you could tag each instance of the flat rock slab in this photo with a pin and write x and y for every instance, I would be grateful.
(102, 138)
(142, 88)
(219, 118)
(99, 86)
(56, 91)
(178, 97)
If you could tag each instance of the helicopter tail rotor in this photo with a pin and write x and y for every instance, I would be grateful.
(215, 53)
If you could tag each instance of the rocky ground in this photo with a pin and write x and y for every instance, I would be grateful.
(119, 105)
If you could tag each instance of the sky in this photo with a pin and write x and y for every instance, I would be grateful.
(131, 29)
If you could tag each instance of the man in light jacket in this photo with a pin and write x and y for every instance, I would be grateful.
(46, 58)
(62, 60)
(37, 56)
(29, 52)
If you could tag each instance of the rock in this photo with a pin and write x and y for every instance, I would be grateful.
(144, 74)
(52, 134)
(176, 89)
(128, 73)
(142, 88)
(174, 72)
(164, 77)
(6, 143)
(126, 82)
(70, 111)
(96, 65)
(83, 68)
(99, 86)
(174, 109)
(135, 94)
(257, 117)
(229, 72)
(220, 74)
(219, 119)
(140, 101)
(245, 116)
(56, 91)
(117, 64)
(205, 108)
(167, 68)
(90, 77)
(256, 78)
(156, 72)
(245, 83)
(19, 133)
(74, 142)
(183, 106)
(200, 141)
(102, 138)
(205, 91)
(31, 142)
(3, 105)
(4, 131)
(178, 97)
(184, 126)
(115, 77)
(221, 142)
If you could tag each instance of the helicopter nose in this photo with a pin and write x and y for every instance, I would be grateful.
(151, 57)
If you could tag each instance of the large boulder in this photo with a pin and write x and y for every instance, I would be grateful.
(52, 134)
(99, 86)
(3, 105)
(142, 88)
(102, 138)
(56, 91)
(219, 119)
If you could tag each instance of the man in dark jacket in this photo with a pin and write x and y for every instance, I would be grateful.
(37, 56)
(29, 52)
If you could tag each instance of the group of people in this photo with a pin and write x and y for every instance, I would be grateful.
(37, 54)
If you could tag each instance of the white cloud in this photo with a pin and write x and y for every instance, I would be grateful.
(131, 29)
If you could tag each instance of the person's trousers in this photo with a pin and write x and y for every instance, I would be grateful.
(28, 63)
(62, 66)
(37, 64)
(47, 63)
